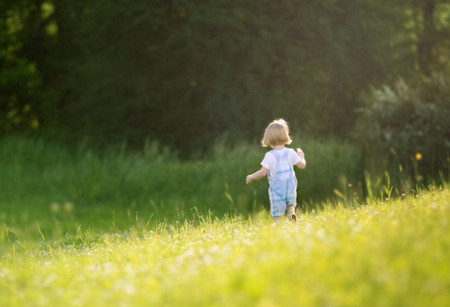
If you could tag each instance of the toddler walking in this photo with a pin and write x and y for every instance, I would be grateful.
(278, 165)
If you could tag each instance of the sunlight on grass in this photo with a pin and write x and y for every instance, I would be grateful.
(383, 254)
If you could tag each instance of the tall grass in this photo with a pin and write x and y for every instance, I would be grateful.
(51, 183)
(84, 228)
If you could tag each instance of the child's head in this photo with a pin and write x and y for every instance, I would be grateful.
(276, 133)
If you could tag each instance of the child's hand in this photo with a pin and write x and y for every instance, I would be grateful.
(248, 179)
(300, 153)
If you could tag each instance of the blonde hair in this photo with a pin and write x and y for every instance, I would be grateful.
(276, 133)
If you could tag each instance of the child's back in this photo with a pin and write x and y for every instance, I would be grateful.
(278, 165)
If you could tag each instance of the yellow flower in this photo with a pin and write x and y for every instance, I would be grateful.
(418, 156)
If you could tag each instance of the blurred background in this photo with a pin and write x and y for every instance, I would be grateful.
(137, 101)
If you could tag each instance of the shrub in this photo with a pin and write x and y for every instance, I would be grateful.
(408, 125)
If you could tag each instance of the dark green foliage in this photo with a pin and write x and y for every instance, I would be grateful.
(406, 119)
(19, 79)
(184, 72)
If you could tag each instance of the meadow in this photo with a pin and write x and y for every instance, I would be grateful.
(391, 253)
(82, 228)
(61, 189)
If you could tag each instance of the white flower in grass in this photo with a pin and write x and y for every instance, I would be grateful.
(3, 273)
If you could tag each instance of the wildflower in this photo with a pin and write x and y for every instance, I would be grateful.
(418, 156)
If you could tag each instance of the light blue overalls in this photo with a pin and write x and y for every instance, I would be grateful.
(282, 184)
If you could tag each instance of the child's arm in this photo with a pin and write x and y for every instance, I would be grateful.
(257, 175)
(302, 163)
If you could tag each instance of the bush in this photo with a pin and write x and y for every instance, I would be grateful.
(408, 124)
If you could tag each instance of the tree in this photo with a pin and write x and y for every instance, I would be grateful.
(185, 72)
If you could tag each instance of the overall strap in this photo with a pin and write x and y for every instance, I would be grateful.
(279, 158)
(275, 154)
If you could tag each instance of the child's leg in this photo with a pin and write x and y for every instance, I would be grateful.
(290, 209)
(291, 213)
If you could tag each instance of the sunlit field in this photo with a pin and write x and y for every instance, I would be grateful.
(129, 131)
(391, 253)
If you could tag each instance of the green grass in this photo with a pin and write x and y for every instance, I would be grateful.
(392, 253)
(122, 228)
(109, 190)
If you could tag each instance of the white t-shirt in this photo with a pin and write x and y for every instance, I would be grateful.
(270, 161)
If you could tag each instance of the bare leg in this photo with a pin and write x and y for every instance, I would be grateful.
(291, 213)
(290, 209)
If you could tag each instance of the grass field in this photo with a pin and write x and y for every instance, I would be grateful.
(391, 253)
(35, 174)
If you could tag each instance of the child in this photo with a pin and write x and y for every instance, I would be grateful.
(278, 164)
